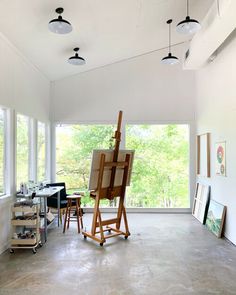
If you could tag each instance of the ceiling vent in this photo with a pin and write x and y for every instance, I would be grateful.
(217, 26)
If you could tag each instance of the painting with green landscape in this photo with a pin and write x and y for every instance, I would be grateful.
(215, 218)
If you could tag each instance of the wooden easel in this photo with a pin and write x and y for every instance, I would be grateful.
(98, 233)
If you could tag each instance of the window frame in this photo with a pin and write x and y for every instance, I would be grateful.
(30, 148)
(45, 150)
(191, 166)
(188, 155)
(54, 141)
(5, 145)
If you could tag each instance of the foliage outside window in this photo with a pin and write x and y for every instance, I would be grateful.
(160, 172)
(41, 147)
(2, 151)
(74, 146)
(22, 150)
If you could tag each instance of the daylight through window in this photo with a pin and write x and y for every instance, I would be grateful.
(22, 149)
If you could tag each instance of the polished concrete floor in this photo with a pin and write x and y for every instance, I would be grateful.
(166, 254)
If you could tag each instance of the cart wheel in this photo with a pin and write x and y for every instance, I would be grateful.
(34, 250)
(85, 237)
(101, 244)
(126, 237)
(11, 251)
(40, 245)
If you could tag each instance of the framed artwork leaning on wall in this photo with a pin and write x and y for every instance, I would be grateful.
(201, 201)
(203, 155)
(215, 218)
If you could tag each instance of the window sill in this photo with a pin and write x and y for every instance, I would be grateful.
(5, 198)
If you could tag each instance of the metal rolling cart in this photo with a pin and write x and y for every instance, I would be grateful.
(42, 196)
(26, 217)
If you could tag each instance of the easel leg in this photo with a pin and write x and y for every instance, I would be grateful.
(100, 226)
(126, 222)
(119, 213)
(95, 216)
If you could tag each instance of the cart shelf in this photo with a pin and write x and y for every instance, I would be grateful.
(25, 209)
(28, 243)
(18, 222)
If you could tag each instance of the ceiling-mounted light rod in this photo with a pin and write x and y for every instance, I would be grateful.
(187, 7)
(170, 59)
(60, 25)
(218, 6)
(169, 23)
(189, 25)
(76, 60)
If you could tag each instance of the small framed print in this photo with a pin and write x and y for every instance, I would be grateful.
(220, 158)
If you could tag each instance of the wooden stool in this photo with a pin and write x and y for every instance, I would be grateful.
(68, 217)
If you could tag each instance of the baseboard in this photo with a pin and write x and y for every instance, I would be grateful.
(4, 247)
(229, 241)
(144, 210)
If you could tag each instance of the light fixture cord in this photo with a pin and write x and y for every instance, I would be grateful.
(218, 7)
(170, 38)
(187, 8)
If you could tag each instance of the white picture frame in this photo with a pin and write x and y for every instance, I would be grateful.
(201, 199)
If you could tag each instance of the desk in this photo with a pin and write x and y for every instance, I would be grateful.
(45, 193)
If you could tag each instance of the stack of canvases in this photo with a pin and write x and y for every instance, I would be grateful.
(206, 210)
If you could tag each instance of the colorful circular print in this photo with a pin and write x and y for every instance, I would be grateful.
(220, 154)
(222, 169)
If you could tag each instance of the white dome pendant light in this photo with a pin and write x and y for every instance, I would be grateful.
(59, 25)
(76, 60)
(189, 25)
(170, 59)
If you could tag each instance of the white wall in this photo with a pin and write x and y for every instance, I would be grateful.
(142, 87)
(22, 86)
(216, 113)
(22, 89)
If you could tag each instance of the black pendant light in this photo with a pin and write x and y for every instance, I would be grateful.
(59, 25)
(170, 59)
(189, 25)
(76, 60)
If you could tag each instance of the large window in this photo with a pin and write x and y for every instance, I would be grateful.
(160, 176)
(22, 150)
(41, 147)
(2, 151)
(74, 146)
